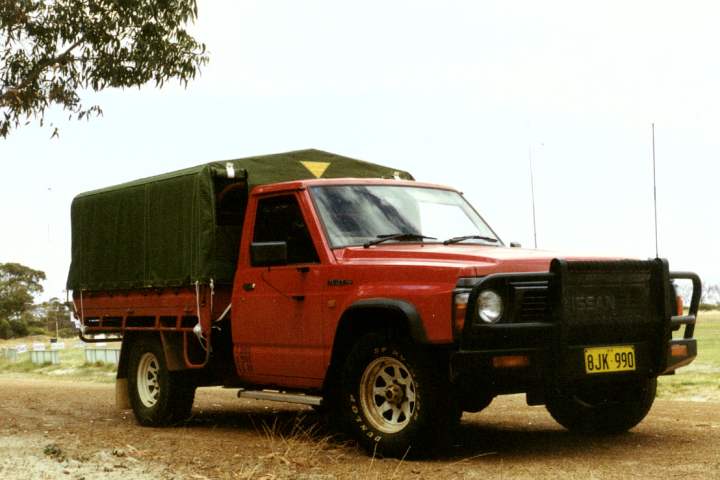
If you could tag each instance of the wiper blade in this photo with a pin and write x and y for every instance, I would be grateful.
(397, 236)
(469, 237)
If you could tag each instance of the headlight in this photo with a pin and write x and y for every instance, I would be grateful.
(489, 306)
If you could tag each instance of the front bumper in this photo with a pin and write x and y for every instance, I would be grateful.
(487, 372)
(530, 352)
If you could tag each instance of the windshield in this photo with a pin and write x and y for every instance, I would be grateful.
(357, 214)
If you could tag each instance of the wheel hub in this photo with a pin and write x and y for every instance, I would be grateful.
(395, 394)
(148, 382)
(387, 394)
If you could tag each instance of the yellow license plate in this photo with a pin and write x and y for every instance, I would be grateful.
(610, 359)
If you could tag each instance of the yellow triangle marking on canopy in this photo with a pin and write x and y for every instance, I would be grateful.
(316, 168)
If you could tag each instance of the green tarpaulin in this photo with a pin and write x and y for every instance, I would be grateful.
(182, 227)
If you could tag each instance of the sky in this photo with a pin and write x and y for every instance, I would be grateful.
(461, 93)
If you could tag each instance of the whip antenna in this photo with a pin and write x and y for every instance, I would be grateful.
(657, 255)
(532, 194)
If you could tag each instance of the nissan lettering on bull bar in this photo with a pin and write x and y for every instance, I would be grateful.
(601, 303)
(389, 305)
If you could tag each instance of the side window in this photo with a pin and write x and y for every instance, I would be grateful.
(279, 219)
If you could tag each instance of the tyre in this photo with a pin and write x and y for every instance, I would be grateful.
(157, 396)
(184, 399)
(609, 408)
(395, 400)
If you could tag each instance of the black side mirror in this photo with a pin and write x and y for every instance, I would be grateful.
(266, 254)
(515, 245)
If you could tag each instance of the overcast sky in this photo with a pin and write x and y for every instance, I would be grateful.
(459, 93)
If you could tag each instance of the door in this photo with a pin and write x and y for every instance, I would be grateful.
(277, 320)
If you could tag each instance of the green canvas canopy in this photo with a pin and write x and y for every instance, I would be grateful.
(184, 227)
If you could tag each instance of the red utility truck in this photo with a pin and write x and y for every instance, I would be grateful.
(313, 278)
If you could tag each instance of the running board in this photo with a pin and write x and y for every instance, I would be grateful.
(277, 396)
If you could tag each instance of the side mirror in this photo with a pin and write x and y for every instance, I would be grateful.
(266, 254)
(515, 245)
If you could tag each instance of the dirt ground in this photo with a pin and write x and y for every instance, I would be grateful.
(51, 429)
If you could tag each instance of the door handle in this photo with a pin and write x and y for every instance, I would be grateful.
(248, 287)
(298, 298)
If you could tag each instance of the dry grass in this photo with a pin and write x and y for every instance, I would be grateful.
(302, 448)
(294, 446)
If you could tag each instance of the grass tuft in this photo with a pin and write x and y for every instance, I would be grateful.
(294, 446)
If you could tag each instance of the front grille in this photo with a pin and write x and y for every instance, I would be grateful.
(529, 302)
(525, 321)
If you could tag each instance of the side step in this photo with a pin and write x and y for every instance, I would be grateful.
(278, 396)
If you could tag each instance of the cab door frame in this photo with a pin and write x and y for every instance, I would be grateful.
(277, 314)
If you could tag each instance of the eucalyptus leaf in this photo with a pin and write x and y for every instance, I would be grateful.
(52, 50)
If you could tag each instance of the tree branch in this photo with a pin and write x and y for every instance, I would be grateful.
(36, 72)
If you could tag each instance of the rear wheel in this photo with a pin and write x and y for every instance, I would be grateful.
(608, 408)
(395, 399)
(184, 398)
(157, 396)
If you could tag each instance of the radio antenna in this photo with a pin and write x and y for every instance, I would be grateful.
(532, 194)
(657, 254)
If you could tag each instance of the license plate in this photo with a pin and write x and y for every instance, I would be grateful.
(610, 359)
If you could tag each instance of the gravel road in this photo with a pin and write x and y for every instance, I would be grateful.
(61, 429)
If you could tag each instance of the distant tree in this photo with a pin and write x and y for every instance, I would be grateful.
(33, 317)
(50, 50)
(5, 330)
(34, 322)
(54, 316)
(18, 285)
(19, 328)
(709, 296)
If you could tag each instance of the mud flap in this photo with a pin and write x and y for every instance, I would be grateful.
(122, 399)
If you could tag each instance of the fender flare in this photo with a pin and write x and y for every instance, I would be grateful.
(171, 345)
(408, 310)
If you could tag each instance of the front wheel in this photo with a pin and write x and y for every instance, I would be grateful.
(608, 408)
(395, 400)
(157, 396)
